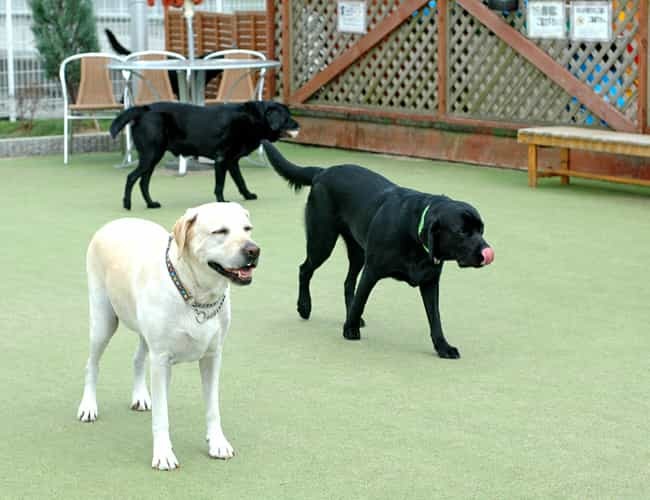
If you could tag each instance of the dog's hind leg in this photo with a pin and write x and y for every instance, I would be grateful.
(356, 257)
(144, 185)
(141, 400)
(103, 323)
(321, 234)
(219, 179)
(236, 175)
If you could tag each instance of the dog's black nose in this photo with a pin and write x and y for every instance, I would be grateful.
(252, 251)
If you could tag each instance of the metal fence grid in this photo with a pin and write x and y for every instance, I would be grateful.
(112, 14)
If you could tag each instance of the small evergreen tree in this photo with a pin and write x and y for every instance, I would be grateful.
(63, 28)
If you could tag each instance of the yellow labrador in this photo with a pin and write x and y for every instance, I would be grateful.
(174, 291)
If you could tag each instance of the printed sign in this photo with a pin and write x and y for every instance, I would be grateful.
(351, 17)
(591, 21)
(546, 19)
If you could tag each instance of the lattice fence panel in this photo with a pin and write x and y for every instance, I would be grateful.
(489, 80)
(315, 39)
(400, 74)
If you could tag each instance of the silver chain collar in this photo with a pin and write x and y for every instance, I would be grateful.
(202, 312)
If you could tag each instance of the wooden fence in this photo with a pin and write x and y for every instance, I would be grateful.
(214, 31)
(454, 64)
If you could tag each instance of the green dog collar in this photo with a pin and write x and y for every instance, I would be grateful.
(421, 226)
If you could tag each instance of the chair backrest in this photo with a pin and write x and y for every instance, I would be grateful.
(95, 85)
(154, 84)
(237, 85)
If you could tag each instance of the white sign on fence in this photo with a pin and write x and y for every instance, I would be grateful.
(351, 17)
(546, 19)
(591, 21)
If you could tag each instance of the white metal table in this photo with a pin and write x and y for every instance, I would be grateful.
(191, 76)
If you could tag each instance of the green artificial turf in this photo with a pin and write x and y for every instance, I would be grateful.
(549, 400)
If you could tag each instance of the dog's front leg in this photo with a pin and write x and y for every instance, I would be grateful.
(163, 455)
(218, 445)
(352, 324)
(430, 294)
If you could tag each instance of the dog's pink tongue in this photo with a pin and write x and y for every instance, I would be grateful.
(245, 272)
(488, 256)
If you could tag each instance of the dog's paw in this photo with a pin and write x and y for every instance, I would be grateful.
(126, 203)
(219, 447)
(351, 333)
(153, 204)
(141, 401)
(87, 411)
(448, 352)
(362, 323)
(304, 308)
(250, 196)
(164, 458)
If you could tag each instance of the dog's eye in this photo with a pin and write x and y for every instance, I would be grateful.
(248, 228)
(223, 231)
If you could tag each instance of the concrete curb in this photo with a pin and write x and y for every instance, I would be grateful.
(81, 143)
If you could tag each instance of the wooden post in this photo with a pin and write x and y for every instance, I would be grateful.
(443, 15)
(642, 112)
(564, 164)
(270, 46)
(286, 50)
(532, 165)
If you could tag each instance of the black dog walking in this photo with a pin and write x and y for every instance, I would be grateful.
(224, 132)
(389, 232)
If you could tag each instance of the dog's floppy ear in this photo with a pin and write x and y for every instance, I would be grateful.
(182, 230)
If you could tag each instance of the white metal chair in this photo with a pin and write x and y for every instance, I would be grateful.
(237, 85)
(95, 93)
(153, 85)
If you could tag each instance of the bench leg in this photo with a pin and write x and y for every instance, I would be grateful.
(564, 164)
(532, 165)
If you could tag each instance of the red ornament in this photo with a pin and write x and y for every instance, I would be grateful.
(172, 3)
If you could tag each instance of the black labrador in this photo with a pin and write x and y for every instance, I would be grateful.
(173, 77)
(223, 132)
(389, 232)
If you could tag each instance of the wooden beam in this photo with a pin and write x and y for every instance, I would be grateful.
(286, 51)
(547, 65)
(270, 46)
(356, 51)
(443, 14)
(642, 102)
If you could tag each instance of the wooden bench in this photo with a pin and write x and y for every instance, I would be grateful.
(567, 138)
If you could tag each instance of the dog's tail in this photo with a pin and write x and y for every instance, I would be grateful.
(129, 115)
(295, 175)
(117, 46)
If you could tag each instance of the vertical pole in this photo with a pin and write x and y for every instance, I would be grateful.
(11, 75)
(443, 13)
(286, 51)
(188, 12)
(138, 12)
(532, 165)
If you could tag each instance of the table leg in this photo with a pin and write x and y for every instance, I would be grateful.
(564, 164)
(183, 96)
(532, 165)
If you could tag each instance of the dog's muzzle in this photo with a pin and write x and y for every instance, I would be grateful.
(241, 275)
